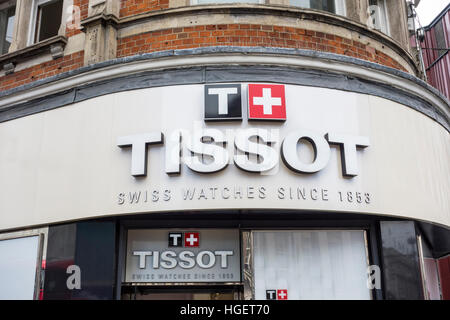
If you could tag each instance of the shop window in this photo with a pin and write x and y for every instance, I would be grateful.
(430, 274)
(45, 20)
(7, 18)
(333, 6)
(301, 265)
(18, 265)
(378, 18)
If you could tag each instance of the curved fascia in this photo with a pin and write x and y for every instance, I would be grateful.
(218, 56)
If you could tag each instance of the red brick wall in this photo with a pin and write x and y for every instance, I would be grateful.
(131, 7)
(249, 35)
(41, 71)
(84, 7)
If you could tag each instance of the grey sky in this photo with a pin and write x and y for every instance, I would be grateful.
(429, 9)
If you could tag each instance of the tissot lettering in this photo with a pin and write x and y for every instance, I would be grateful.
(223, 257)
(264, 149)
(138, 145)
(348, 146)
(142, 255)
(207, 262)
(168, 260)
(173, 153)
(185, 259)
(196, 146)
(267, 153)
(186, 252)
(319, 144)
(256, 150)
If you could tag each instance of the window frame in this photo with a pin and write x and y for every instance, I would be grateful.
(42, 234)
(195, 2)
(5, 7)
(33, 19)
(384, 20)
(340, 5)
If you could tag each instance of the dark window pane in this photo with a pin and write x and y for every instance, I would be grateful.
(7, 18)
(440, 39)
(325, 5)
(49, 20)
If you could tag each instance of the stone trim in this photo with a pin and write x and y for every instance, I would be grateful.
(54, 45)
(346, 74)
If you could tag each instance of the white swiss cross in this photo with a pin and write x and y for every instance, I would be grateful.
(192, 240)
(267, 101)
(282, 294)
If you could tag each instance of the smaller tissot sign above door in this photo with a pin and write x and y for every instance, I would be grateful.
(172, 256)
(223, 102)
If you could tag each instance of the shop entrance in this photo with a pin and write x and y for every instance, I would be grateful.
(181, 292)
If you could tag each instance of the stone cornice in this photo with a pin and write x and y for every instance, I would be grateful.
(101, 18)
(54, 46)
(434, 104)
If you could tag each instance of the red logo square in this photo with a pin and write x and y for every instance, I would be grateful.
(191, 239)
(266, 102)
(282, 294)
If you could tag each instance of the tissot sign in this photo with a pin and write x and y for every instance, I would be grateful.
(266, 102)
(183, 256)
(213, 147)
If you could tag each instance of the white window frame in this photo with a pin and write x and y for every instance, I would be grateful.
(341, 8)
(384, 18)
(33, 17)
(195, 2)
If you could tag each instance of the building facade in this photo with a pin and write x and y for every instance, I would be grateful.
(196, 149)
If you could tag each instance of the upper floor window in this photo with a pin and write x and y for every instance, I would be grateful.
(378, 18)
(226, 1)
(333, 6)
(45, 20)
(7, 15)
